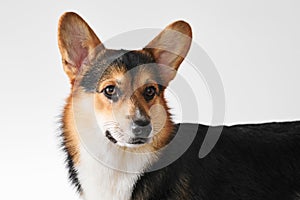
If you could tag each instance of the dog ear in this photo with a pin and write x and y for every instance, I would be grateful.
(170, 48)
(76, 41)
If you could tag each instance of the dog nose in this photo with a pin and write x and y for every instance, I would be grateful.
(141, 128)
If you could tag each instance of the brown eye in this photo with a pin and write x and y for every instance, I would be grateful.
(149, 93)
(110, 92)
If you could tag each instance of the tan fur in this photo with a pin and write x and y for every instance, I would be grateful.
(70, 133)
(79, 47)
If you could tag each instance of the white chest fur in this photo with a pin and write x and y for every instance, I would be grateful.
(100, 182)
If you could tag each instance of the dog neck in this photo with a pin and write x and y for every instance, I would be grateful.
(101, 181)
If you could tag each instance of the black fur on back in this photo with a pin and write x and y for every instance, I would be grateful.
(249, 162)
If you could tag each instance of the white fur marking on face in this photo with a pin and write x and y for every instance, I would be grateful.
(105, 171)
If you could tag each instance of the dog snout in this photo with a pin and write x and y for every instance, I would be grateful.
(141, 128)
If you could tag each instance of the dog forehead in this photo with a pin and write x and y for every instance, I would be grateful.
(132, 64)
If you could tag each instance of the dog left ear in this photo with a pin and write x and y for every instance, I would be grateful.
(170, 48)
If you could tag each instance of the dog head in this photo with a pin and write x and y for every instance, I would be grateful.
(126, 87)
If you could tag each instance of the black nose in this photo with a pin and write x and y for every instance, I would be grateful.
(141, 128)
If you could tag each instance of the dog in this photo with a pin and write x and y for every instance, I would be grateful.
(116, 127)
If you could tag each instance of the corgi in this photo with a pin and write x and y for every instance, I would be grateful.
(116, 127)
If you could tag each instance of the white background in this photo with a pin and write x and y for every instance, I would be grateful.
(255, 46)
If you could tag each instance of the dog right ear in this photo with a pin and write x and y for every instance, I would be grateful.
(76, 41)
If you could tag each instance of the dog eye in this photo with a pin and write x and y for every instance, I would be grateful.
(110, 92)
(149, 92)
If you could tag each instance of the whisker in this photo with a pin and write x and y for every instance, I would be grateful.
(110, 123)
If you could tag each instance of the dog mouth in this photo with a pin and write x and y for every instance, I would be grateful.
(139, 140)
(110, 137)
(132, 141)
